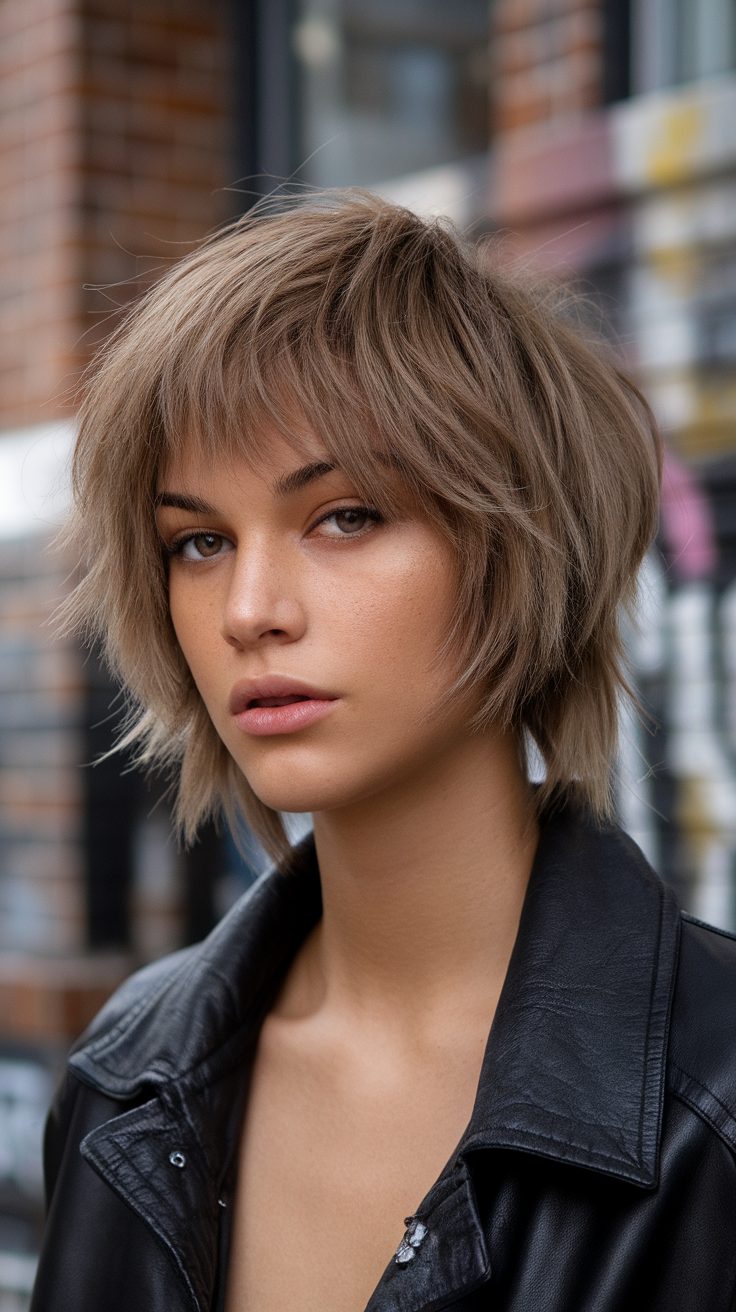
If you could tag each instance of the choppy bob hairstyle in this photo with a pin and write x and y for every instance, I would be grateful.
(406, 349)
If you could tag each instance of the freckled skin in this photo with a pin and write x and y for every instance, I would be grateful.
(367, 1066)
(361, 617)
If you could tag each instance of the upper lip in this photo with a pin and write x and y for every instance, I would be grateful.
(273, 685)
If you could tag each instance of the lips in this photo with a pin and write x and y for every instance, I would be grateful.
(277, 705)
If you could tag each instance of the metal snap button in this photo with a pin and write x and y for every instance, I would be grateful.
(416, 1232)
(177, 1159)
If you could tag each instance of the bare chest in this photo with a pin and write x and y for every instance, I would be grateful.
(334, 1156)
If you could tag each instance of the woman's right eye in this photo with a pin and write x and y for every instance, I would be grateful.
(201, 546)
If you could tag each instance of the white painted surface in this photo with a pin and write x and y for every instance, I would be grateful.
(712, 898)
(669, 136)
(25, 1093)
(17, 1273)
(34, 479)
(645, 647)
(452, 191)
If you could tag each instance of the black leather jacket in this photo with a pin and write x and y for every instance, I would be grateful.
(598, 1170)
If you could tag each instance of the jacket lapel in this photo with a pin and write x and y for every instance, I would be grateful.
(186, 1047)
(575, 1063)
(208, 1004)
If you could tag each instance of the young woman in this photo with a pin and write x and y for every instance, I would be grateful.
(359, 516)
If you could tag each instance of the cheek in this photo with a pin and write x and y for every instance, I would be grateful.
(195, 625)
(183, 618)
(399, 617)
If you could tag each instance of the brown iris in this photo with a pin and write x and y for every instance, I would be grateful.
(207, 544)
(351, 521)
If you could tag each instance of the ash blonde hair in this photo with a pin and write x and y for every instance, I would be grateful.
(399, 345)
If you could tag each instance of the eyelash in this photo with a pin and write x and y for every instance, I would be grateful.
(176, 547)
(374, 516)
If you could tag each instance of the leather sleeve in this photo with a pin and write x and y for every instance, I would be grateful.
(56, 1131)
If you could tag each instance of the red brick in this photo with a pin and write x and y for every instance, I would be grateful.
(114, 123)
(54, 999)
(546, 61)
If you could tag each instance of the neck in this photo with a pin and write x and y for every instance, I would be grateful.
(423, 885)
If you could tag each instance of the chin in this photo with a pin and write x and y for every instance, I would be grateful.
(295, 797)
(304, 788)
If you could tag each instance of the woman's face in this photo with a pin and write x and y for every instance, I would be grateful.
(310, 624)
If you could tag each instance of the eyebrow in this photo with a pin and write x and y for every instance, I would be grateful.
(195, 505)
(284, 487)
(299, 478)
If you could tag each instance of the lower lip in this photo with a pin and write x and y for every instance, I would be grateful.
(262, 720)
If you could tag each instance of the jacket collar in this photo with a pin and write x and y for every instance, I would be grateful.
(176, 1042)
(204, 1006)
(575, 1064)
(573, 1071)
(574, 1068)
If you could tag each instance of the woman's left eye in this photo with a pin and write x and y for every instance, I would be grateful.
(348, 522)
(201, 546)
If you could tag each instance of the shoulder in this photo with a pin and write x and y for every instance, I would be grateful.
(135, 994)
(704, 1012)
(180, 1014)
(173, 981)
(702, 1052)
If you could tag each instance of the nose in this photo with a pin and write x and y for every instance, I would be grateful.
(262, 604)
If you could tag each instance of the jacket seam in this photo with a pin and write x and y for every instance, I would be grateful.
(681, 1071)
(190, 1075)
(702, 924)
(647, 1041)
(604, 1158)
(121, 1026)
(700, 1111)
(666, 899)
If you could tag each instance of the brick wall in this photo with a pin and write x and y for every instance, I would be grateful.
(553, 192)
(115, 128)
(114, 149)
(40, 150)
(547, 61)
(156, 128)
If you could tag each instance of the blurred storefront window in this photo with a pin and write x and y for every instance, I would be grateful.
(387, 88)
(26, 1085)
(682, 40)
